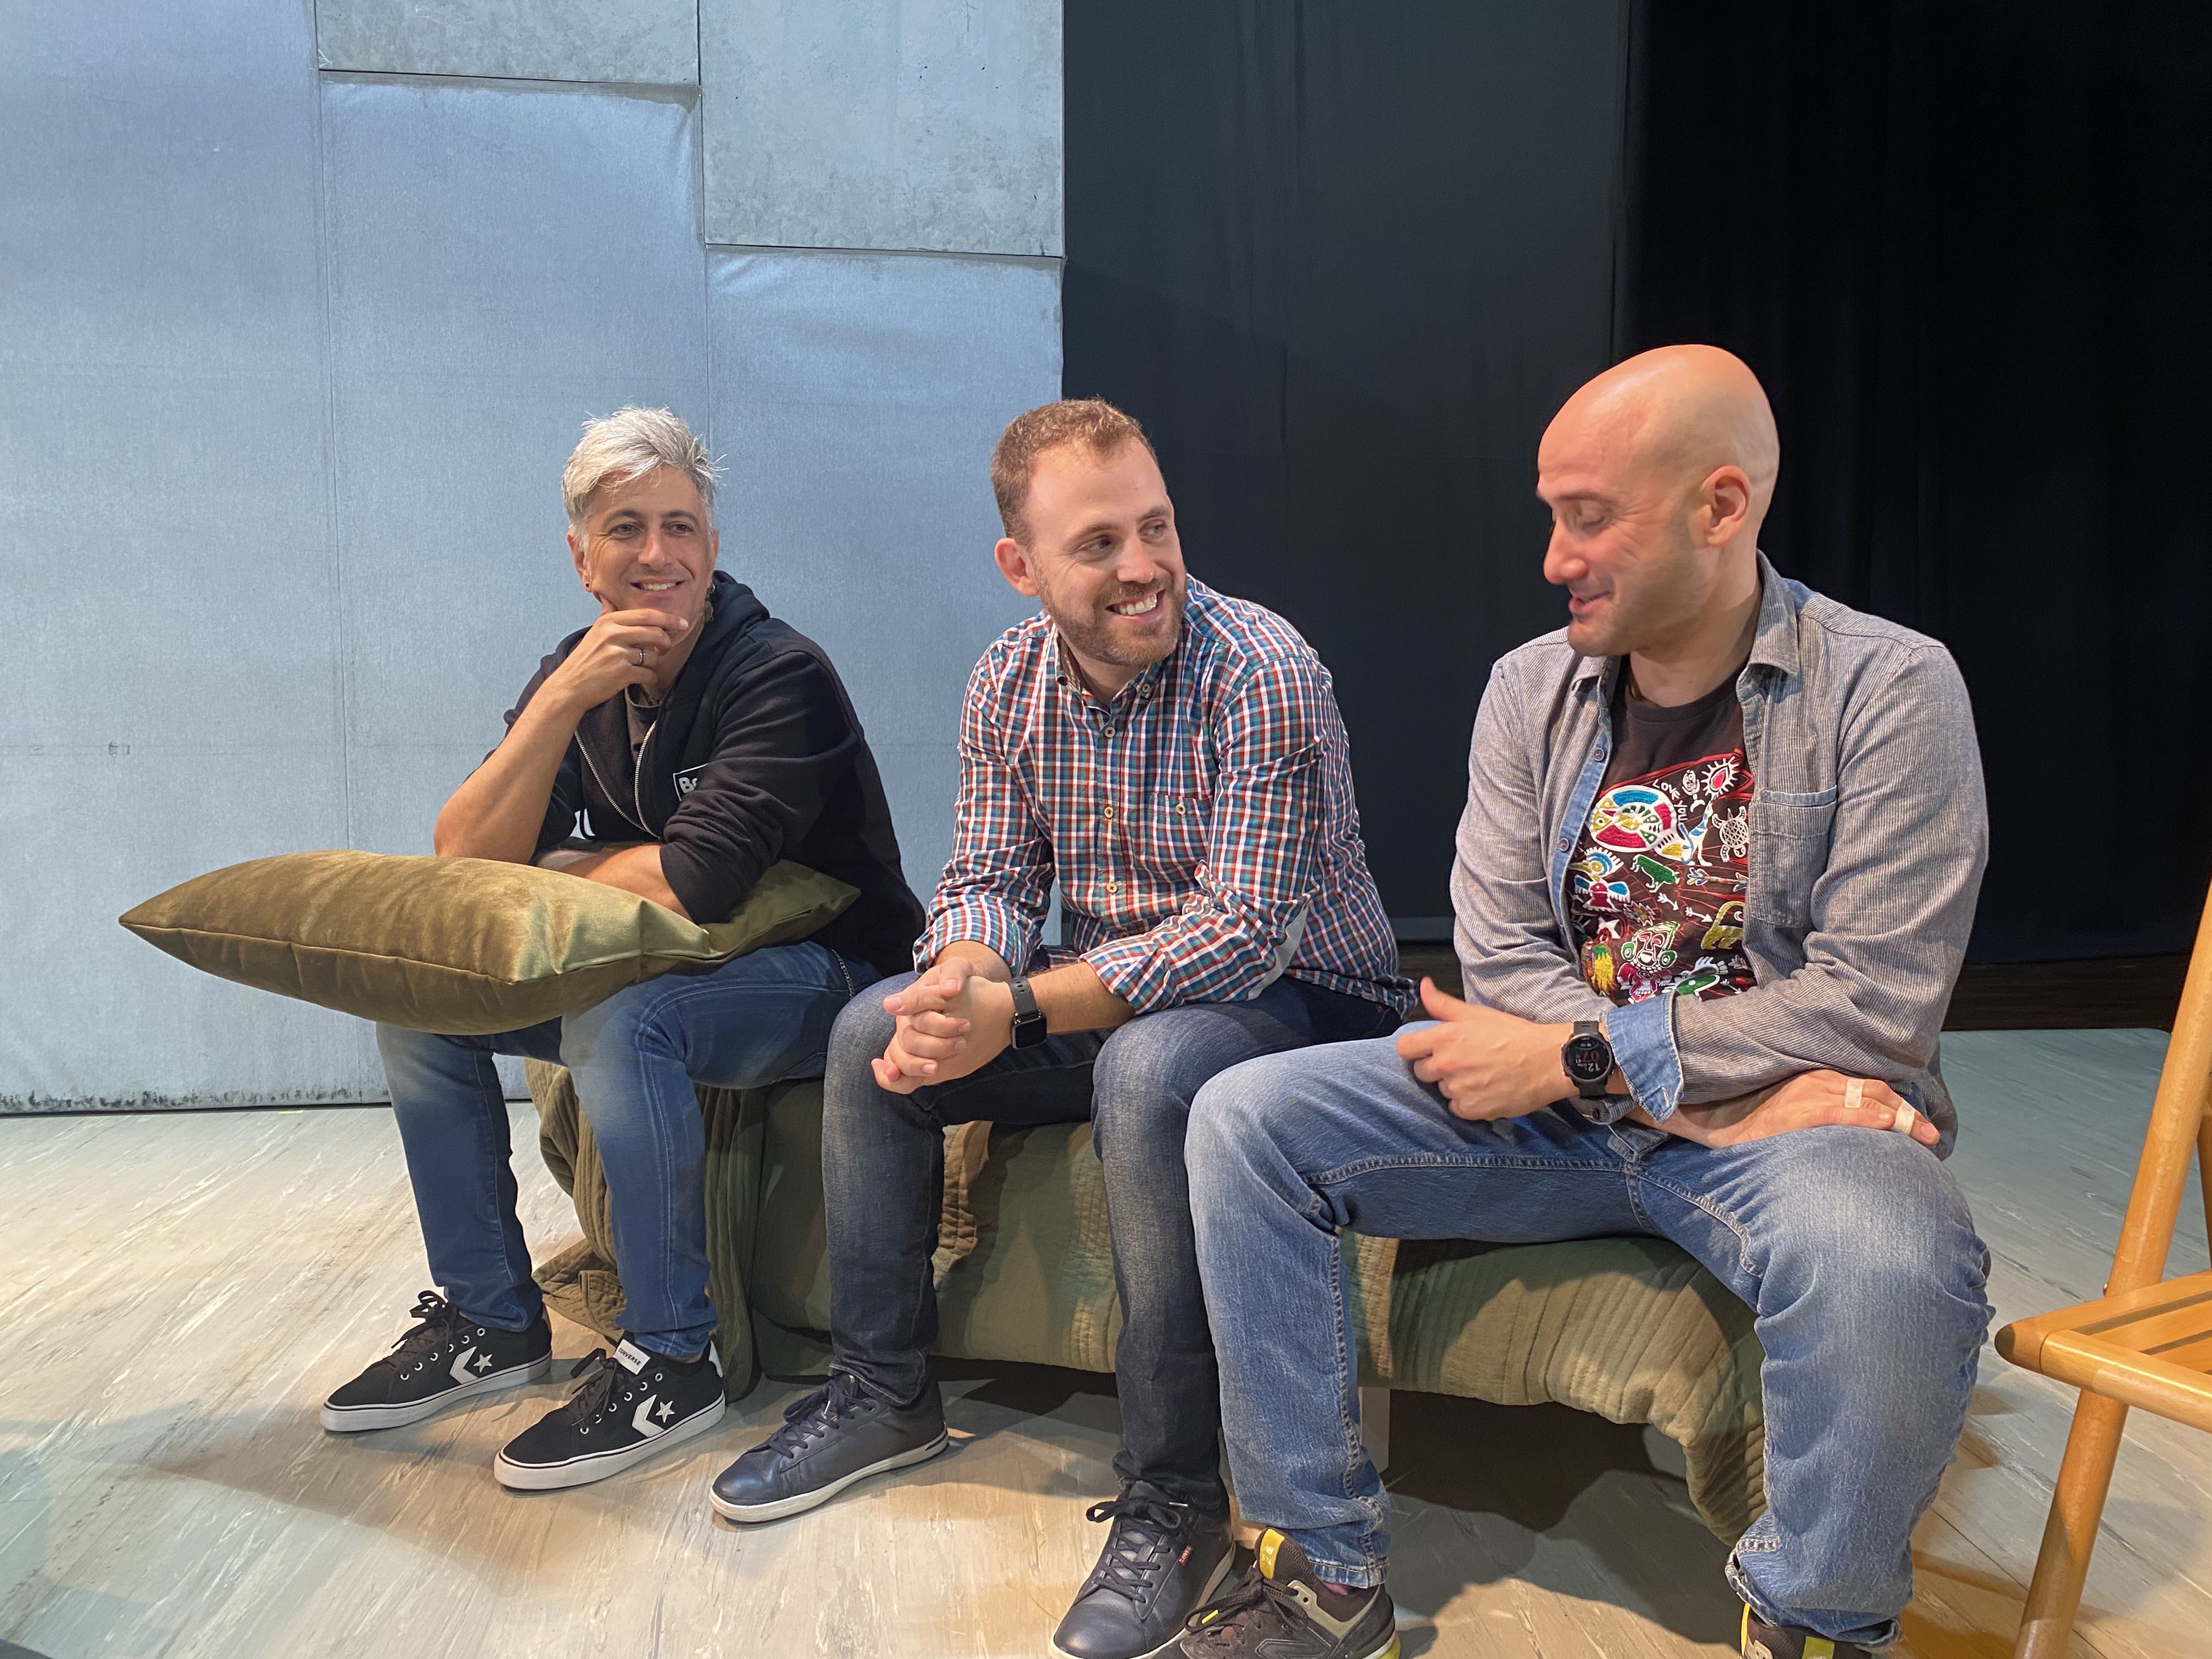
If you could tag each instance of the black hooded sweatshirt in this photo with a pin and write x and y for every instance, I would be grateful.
(756, 755)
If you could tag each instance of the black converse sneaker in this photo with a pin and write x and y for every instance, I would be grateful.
(1160, 1562)
(1280, 1610)
(445, 1358)
(1764, 1641)
(625, 1409)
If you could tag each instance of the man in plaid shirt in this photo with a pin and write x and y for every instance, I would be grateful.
(1175, 758)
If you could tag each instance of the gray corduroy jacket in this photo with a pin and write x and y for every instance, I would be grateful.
(1868, 833)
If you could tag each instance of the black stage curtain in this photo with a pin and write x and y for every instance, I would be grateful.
(1345, 261)
(1964, 246)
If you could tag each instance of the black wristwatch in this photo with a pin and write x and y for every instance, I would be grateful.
(1588, 1059)
(1029, 1018)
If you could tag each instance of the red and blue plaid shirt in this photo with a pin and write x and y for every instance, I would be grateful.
(1201, 825)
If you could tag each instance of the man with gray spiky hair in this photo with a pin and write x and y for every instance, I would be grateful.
(688, 741)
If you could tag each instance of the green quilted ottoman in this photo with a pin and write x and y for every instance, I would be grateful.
(1629, 1328)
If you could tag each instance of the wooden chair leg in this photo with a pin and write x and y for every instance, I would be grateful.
(1374, 1427)
(2085, 1477)
(2204, 1168)
(1241, 1533)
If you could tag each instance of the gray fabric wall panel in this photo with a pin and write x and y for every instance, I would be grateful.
(160, 188)
(507, 261)
(163, 449)
(90, 1016)
(857, 397)
(646, 40)
(883, 123)
(292, 362)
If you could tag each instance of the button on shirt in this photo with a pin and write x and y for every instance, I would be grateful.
(1201, 823)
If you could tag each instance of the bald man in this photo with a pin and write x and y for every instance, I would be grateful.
(1714, 881)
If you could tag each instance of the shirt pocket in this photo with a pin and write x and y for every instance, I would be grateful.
(1170, 841)
(1790, 836)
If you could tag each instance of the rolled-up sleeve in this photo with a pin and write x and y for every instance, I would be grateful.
(998, 880)
(1240, 929)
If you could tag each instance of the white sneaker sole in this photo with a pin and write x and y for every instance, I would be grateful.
(805, 1501)
(356, 1419)
(1220, 1573)
(597, 1466)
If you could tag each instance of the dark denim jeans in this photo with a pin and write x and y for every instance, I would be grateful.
(1853, 1247)
(883, 1159)
(759, 1019)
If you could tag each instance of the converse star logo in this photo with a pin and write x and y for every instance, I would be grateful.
(468, 1365)
(651, 1417)
(481, 1363)
(663, 1411)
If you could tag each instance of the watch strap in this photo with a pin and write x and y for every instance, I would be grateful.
(1029, 1025)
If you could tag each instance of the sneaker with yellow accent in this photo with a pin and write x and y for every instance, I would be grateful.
(1280, 1610)
(1764, 1641)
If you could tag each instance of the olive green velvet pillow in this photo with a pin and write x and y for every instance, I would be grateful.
(464, 946)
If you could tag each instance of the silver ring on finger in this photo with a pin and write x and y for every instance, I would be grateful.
(640, 656)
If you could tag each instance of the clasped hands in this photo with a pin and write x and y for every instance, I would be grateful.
(952, 1020)
(1489, 1065)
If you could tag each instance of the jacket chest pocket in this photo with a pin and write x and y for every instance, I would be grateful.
(1789, 835)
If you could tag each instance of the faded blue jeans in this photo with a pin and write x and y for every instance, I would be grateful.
(883, 1161)
(1853, 1247)
(758, 1019)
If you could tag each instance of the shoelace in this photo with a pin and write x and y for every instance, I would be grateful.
(600, 1375)
(438, 1321)
(1144, 1531)
(1255, 1593)
(808, 1419)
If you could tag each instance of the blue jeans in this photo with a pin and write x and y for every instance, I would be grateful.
(883, 1162)
(758, 1019)
(1853, 1247)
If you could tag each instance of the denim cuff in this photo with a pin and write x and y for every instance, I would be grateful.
(1335, 1573)
(1643, 1038)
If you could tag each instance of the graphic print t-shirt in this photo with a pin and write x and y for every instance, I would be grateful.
(1655, 891)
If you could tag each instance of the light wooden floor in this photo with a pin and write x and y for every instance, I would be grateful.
(177, 1292)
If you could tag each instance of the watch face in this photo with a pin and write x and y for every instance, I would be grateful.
(1588, 1058)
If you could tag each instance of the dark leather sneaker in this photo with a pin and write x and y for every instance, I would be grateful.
(1279, 1610)
(624, 1410)
(1160, 1563)
(1764, 1641)
(838, 1434)
(447, 1356)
